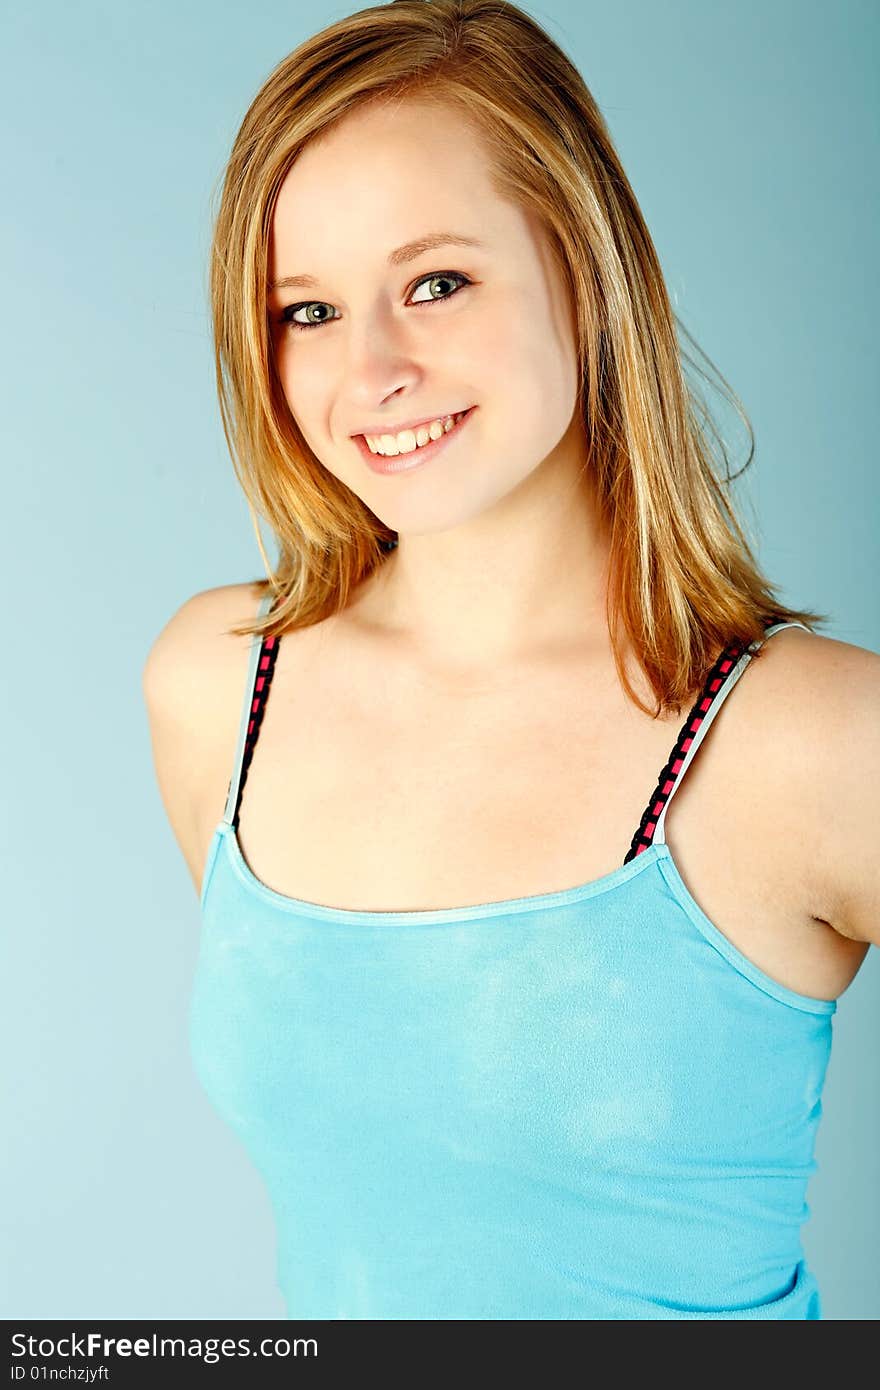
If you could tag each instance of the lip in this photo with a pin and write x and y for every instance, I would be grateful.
(403, 463)
(398, 426)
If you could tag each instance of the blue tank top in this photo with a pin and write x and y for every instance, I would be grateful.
(581, 1104)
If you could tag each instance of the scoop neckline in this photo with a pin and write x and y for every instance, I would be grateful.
(532, 902)
(658, 852)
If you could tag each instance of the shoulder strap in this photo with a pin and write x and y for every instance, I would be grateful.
(261, 664)
(718, 685)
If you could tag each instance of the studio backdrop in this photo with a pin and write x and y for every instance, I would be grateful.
(749, 132)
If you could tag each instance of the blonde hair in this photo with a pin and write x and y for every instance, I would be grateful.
(683, 582)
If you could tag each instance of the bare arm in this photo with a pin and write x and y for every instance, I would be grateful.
(846, 769)
(192, 683)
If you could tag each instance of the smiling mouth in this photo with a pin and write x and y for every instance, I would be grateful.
(402, 462)
(419, 437)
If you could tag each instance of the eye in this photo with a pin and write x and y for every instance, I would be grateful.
(286, 315)
(441, 275)
(288, 319)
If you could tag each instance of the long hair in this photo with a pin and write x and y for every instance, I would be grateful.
(682, 580)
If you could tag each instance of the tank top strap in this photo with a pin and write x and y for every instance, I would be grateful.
(718, 684)
(261, 664)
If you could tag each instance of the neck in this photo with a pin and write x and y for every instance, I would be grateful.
(525, 577)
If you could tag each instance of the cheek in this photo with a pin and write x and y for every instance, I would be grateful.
(305, 391)
(492, 340)
(289, 368)
(304, 386)
(549, 354)
(526, 360)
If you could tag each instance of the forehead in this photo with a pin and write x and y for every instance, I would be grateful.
(380, 177)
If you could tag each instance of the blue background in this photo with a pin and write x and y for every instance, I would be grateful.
(750, 134)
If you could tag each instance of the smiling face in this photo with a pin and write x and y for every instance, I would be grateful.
(388, 333)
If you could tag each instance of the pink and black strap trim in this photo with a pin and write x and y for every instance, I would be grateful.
(260, 671)
(718, 684)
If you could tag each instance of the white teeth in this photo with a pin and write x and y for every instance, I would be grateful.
(408, 440)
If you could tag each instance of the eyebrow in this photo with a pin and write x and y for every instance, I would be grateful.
(400, 256)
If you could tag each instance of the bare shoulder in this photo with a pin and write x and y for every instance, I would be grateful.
(193, 684)
(199, 629)
(195, 648)
(820, 706)
(819, 677)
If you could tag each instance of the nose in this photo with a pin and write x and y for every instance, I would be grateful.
(379, 362)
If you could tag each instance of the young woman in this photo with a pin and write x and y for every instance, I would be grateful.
(522, 1008)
